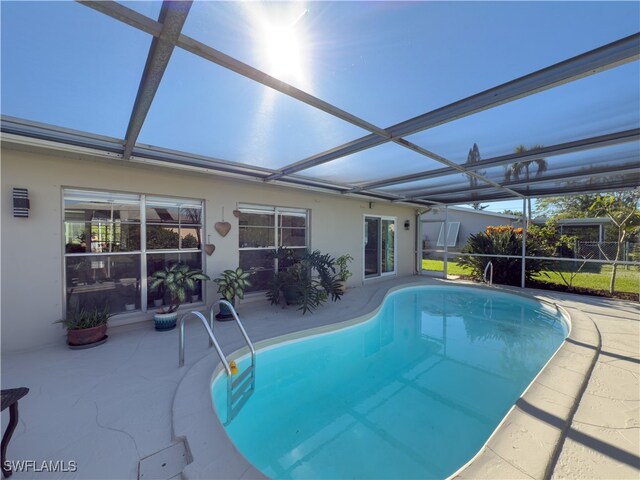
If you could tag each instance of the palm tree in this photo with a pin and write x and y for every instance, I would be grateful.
(473, 157)
(521, 170)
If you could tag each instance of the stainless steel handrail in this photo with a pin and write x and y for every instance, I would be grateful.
(212, 340)
(484, 276)
(235, 317)
(245, 388)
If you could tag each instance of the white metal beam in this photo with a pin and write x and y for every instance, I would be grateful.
(125, 15)
(600, 59)
(594, 61)
(173, 14)
(617, 138)
(595, 173)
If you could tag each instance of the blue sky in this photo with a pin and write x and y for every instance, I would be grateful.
(66, 64)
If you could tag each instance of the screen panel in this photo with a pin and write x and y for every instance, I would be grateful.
(206, 109)
(378, 163)
(71, 66)
(597, 105)
(397, 55)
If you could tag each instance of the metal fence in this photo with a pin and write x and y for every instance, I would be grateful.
(629, 251)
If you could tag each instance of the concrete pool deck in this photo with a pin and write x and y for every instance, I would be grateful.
(111, 409)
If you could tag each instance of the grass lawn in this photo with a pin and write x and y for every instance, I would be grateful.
(626, 280)
(438, 265)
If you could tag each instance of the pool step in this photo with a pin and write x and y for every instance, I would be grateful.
(239, 391)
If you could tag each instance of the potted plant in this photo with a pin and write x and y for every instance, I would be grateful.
(159, 300)
(195, 293)
(343, 262)
(231, 284)
(86, 327)
(176, 279)
(295, 281)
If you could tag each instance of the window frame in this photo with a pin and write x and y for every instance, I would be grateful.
(142, 252)
(277, 213)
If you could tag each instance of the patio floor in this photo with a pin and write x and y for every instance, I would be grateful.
(109, 407)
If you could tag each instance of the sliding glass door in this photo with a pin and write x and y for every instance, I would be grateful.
(379, 246)
(371, 246)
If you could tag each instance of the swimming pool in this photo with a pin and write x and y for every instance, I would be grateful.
(413, 392)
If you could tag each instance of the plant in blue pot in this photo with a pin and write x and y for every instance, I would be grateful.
(231, 284)
(176, 280)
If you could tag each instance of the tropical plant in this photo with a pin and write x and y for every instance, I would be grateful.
(549, 238)
(521, 170)
(504, 242)
(82, 318)
(554, 244)
(176, 279)
(232, 284)
(294, 279)
(343, 262)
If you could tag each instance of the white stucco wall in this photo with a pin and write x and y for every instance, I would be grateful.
(32, 249)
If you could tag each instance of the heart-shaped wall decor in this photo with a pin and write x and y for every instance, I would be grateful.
(222, 228)
(209, 248)
(236, 213)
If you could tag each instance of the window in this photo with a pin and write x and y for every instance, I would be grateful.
(452, 234)
(114, 241)
(264, 229)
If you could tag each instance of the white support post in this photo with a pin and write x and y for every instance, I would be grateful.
(418, 239)
(525, 222)
(446, 242)
(143, 254)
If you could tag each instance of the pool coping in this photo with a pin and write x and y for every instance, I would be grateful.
(525, 444)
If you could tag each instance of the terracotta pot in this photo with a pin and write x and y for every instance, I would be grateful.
(86, 336)
(343, 286)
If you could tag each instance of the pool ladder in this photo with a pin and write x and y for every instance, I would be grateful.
(240, 388)
(488, 269)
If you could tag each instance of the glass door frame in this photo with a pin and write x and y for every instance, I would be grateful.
(380, 273)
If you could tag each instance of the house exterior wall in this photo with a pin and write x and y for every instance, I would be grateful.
(471, 222)
(32, 248)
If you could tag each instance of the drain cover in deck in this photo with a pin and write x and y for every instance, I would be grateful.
(165, 464)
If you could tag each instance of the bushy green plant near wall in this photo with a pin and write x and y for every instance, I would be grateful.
(232, 284)
(502, 241)
(304, 278)
(176, 279)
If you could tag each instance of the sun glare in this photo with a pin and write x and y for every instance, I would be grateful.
(282, 46)
(282, 50)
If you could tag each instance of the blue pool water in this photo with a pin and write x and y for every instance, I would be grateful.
(413, 392)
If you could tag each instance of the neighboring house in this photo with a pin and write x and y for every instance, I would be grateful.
(462, 222)
(585, 229)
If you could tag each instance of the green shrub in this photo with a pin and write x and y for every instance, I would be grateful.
(502, 241)
(295, 279)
